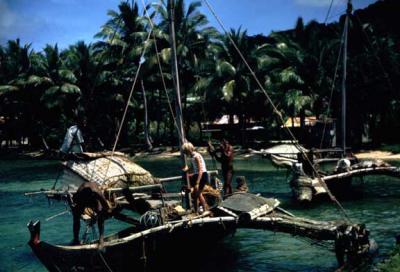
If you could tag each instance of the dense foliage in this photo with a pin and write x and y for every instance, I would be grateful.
(42, 93)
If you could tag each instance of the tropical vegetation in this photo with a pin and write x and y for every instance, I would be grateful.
(42, 93)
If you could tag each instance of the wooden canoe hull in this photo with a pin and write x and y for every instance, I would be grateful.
(138, 251)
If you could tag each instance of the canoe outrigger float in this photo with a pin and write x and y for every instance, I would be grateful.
(306, 187)
(163, 223)
(307, 182)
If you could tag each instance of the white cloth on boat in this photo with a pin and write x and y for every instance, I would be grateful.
(343, 165)
(73, 140)
(203, 167)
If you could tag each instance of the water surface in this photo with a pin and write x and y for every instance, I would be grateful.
(247, 250)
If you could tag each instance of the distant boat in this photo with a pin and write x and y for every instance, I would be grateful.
(306, 185)
(282, 155)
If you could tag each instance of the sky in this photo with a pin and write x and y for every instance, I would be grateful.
(65, 22)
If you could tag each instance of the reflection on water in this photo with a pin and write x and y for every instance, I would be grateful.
(247, 250)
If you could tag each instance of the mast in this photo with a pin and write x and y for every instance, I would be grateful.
(178, 104)
(174, 63)
(344, 103)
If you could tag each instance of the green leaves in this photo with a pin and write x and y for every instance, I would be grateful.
(266, 63)
(67, 75)
(166, 55)
(4, 89)
(295, 98)
(38, 80)
(296, 68)
(228, 90)
(289, 76)
(68, 88)
(224, 68)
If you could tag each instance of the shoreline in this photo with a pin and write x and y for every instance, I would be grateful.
(245, 153)
(377, 154)
(173, 152)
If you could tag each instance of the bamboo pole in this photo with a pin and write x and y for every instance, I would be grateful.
(171, 179)
(41, 192)
(178, 104)
(136, 188)
(319, 230)
(377, 170)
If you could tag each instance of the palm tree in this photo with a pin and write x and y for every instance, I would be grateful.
(61, 92)
(123, 42)
(288, 67)
(230, 81)
(17, 107)
(193, 37)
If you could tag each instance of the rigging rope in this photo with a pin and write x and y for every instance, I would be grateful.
(277, 112)
(332, 88)
(131, 92)
(119, 21)
(337, 14)
(127, 102)
(159, 65)
(329, 11)
(104, 261)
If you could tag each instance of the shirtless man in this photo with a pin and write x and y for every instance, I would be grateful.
(224, 154)
(90, 196)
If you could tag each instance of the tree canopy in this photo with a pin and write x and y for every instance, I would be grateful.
(42, 93)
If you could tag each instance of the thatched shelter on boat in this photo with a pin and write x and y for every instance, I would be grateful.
(106, 169)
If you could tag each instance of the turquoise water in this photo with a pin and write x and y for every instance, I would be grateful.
(247, 250)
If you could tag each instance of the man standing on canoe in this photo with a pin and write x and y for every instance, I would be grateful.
(224, 154)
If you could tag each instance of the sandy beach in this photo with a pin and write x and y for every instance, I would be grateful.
(245, 153)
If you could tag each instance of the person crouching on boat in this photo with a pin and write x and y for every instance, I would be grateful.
(89, 196)
(199, 178)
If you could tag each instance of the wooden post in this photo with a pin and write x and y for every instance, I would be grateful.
(178, 104)
(346, 30)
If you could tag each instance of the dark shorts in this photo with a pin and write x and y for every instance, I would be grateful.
(204, 180)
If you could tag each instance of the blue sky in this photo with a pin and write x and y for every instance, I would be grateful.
(66, 21)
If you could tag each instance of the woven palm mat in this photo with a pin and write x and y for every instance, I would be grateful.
(245, 202)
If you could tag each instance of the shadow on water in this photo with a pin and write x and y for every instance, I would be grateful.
(247, 250)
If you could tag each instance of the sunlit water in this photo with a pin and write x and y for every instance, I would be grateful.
(247, 250)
